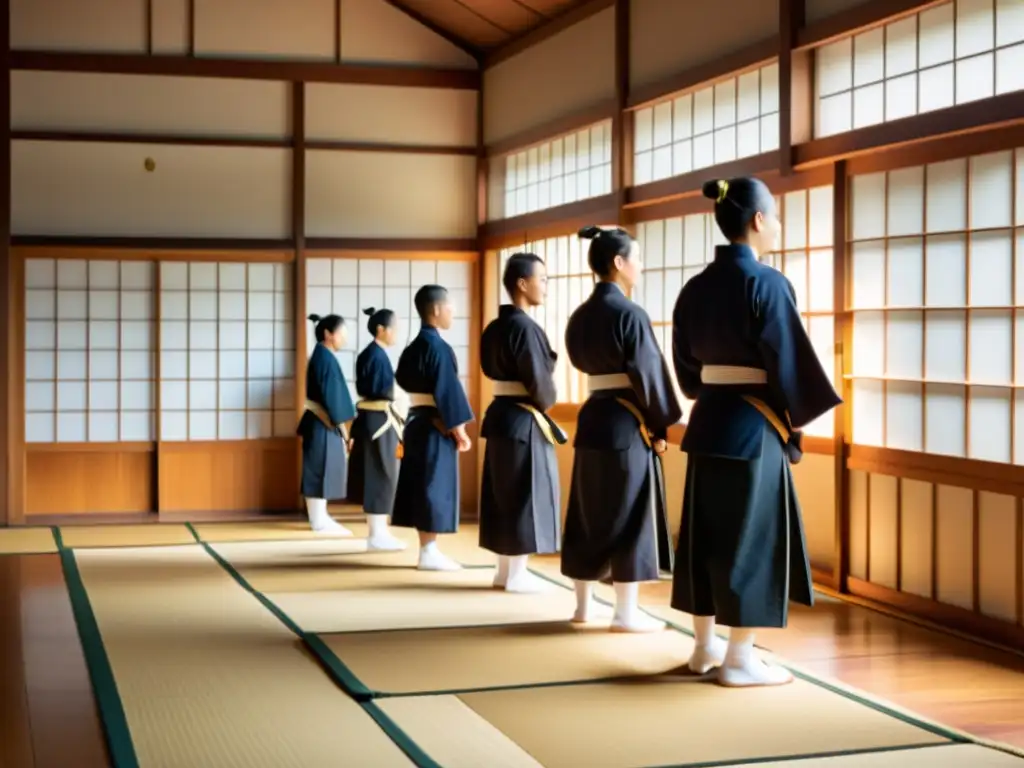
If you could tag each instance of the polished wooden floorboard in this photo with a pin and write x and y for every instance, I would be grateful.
(48, 718)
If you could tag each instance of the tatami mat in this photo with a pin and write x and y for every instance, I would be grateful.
(155, 534)
(27, 541)
(208, 677)
(399, 599)
(649, 724)
(442, 660)
(271, 530)
(949, 756)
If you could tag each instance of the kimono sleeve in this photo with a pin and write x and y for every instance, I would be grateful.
(533, 358)
(449, 396)
(337, 399)
(686, 365)
(794, 370)
(649, 374)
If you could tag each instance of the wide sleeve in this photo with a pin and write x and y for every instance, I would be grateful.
(337, 399)
(533, 364)
(686, 365)
(649, 374)
(449, 396)
(794, 370)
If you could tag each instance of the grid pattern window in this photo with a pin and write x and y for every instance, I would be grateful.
(227, 351)
(570, 282)
(936, 287)
(348, 286)
(735, 118)
(565, 170)
(89, 351)
(805, 257)
(953, 53)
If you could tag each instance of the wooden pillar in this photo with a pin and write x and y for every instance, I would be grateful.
(12, 417)
(795, 98)
(843, 330)
(622, 122)
(298, 198)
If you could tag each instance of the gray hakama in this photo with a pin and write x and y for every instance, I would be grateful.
(615, 524)
(376, 435)
(324, 469)
(741, 351)
(520, 505)
(427, 497)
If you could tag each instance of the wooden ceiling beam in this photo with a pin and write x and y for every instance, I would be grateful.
(574, 15)
(248, 69)
(464, 45)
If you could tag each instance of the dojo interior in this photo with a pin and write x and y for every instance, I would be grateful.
(189, 179)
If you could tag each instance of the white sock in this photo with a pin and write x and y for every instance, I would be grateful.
(519, 577)
(628, 616)
(743, 668)
(380, 538)
(378, 524)
(501, 577)
(320, 521)
(433, 559)
(429, 548)
(584, 601)
(709, 649)
(517, 567)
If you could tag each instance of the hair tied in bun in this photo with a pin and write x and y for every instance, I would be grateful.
(590, 232)
(369, 311)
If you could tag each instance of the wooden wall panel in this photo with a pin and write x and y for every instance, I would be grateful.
(567, 73)
(883, 524)
(178, 106)
(390, 194)
(69, 480)
(669, 38)
(816, 10)
(816, 492)
(82, 188)
(72, 25)
(391, 115)
(171, 32)
(243, 475)
(294, 29)
(955, 546)
(858, 531)
(997, 555)
(374, 31)
(916, 536)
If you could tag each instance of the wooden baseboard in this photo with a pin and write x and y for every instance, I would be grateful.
(97, 518)
(823, 578)
(936, 615)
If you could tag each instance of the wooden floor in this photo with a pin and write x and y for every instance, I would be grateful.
(48, 718)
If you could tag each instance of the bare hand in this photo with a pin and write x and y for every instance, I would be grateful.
(659, 446)
(462, 441)
(348, 445)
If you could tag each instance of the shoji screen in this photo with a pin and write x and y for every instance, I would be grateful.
(89, 351)
(570, 282)
(936, 287)
(953, 53)
(348, 286)
(738, 117)
(227, 351)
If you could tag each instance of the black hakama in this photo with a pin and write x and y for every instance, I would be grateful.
(615, 524)
(373, 465)
(427, 497)
(323, 448)
(520, 504)
(742, 555)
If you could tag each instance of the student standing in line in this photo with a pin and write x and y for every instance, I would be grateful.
(616, 522)
(376, 436)
(741, 351)
(427, 497)
(520, 510)
(322, 426)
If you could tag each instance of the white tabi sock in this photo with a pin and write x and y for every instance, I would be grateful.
(519, 577)
(380, 537)
(743, 668)
(584, 601)
(320, 521)
(501, 576)
(709, 649)
(433, 559)
(628, 616)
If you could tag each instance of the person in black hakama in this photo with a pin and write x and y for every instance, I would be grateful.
(520, 510)
(427, 498)
(322, 426)
(741, 351)
(616, 523)
(376, 433)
